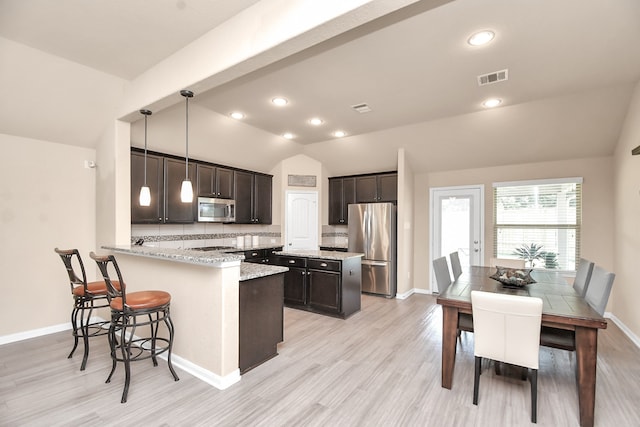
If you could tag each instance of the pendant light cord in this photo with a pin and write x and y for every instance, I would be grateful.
(145, 150)
(186, 164)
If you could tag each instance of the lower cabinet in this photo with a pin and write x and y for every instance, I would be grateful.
(324, 286)
(261, 320)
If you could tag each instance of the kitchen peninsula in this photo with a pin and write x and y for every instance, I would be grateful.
(205, 309)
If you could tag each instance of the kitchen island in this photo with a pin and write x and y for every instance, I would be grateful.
(205, 309)
(325, 282)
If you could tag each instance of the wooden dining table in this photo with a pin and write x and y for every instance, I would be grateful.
(562, 308)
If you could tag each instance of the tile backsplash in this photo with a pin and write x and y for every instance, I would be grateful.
(194, 235)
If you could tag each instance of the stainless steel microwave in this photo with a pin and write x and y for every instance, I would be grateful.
(216, 210)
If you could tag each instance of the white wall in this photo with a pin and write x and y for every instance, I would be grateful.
(597, 240)
(405, 223)
(625, 294)
(47, 200)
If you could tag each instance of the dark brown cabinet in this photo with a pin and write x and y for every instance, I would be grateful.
(324, 286)
(175, 210)
(260, 256)
(253, 194)
(164, 178)
(342, 192)
(155, 181)
(260, 320)
(215, 181)
(377, 188)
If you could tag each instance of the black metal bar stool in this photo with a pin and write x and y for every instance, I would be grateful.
(87, 297)
(128, 313)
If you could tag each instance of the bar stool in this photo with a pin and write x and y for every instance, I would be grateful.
(86, 298)
(128, 313)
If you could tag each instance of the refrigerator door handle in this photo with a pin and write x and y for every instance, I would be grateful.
(375, 263)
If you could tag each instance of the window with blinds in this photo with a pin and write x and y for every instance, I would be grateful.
(539, 221)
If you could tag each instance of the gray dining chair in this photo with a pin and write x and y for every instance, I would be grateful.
(599, 289)
(456, 268)
(441, 270)
(507, 329)
(443, 279)
(583, 275)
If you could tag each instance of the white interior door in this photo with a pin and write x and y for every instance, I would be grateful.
(302, 220)
(457, 224)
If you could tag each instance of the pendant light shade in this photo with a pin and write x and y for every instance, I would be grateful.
(145, 193)
(186, 192)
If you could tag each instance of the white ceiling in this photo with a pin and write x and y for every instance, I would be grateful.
(572, 65)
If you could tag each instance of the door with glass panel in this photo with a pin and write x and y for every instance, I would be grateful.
(456, 224)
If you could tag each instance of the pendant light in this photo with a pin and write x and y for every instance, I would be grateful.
(145, 193)
(186, 192)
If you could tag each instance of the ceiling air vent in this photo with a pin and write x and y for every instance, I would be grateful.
(361, 108)
(495, 77)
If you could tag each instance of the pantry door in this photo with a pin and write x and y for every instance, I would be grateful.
(301, 220)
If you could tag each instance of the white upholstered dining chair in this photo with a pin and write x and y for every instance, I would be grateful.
(507, 329)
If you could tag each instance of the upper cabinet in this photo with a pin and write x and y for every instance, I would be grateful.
(164, 179)
(155, 181)
(253, 194)
(377, 188)
(215, 181)
(342, 192)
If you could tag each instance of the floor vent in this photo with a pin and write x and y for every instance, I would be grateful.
(495, 77)
(361, 108)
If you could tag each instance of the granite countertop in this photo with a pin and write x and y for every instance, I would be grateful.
(211, 258)
(249, 270)
(321, 254)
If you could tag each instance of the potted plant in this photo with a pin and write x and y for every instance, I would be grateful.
(530, 253)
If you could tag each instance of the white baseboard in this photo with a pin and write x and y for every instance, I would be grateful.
(633, 337)
(205, 375)
(410, 292)
(34, 333)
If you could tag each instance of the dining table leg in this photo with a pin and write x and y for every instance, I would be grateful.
(586, 358)
(449, 337)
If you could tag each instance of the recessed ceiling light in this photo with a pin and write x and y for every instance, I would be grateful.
(237, 115)
(492, 102)
(481, 37)
(339, 133)
(287, 135)
(279, 101)
(316, 121)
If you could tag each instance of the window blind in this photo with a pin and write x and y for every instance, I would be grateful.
(541, 215)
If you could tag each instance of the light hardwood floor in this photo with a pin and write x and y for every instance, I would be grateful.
(381, 367)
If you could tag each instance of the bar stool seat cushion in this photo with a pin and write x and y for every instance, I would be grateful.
(96, 288)
(142, 300)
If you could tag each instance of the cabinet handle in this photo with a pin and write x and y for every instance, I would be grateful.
(304, 272)
(323, 264)
(292, 261)
(254, 254)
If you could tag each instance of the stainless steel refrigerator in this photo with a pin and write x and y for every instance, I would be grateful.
(372, 231)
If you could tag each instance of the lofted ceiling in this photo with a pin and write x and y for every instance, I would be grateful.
(572, 67)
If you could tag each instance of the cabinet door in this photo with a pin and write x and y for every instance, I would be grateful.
(324, 290)
(175, 211)
(224, 183)
(244, 197)
(152, 213)
(295, 286)
(366, 189)
(349, 197)
(262, 199)
(335, 201)
(206, 181)
(388, 188)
